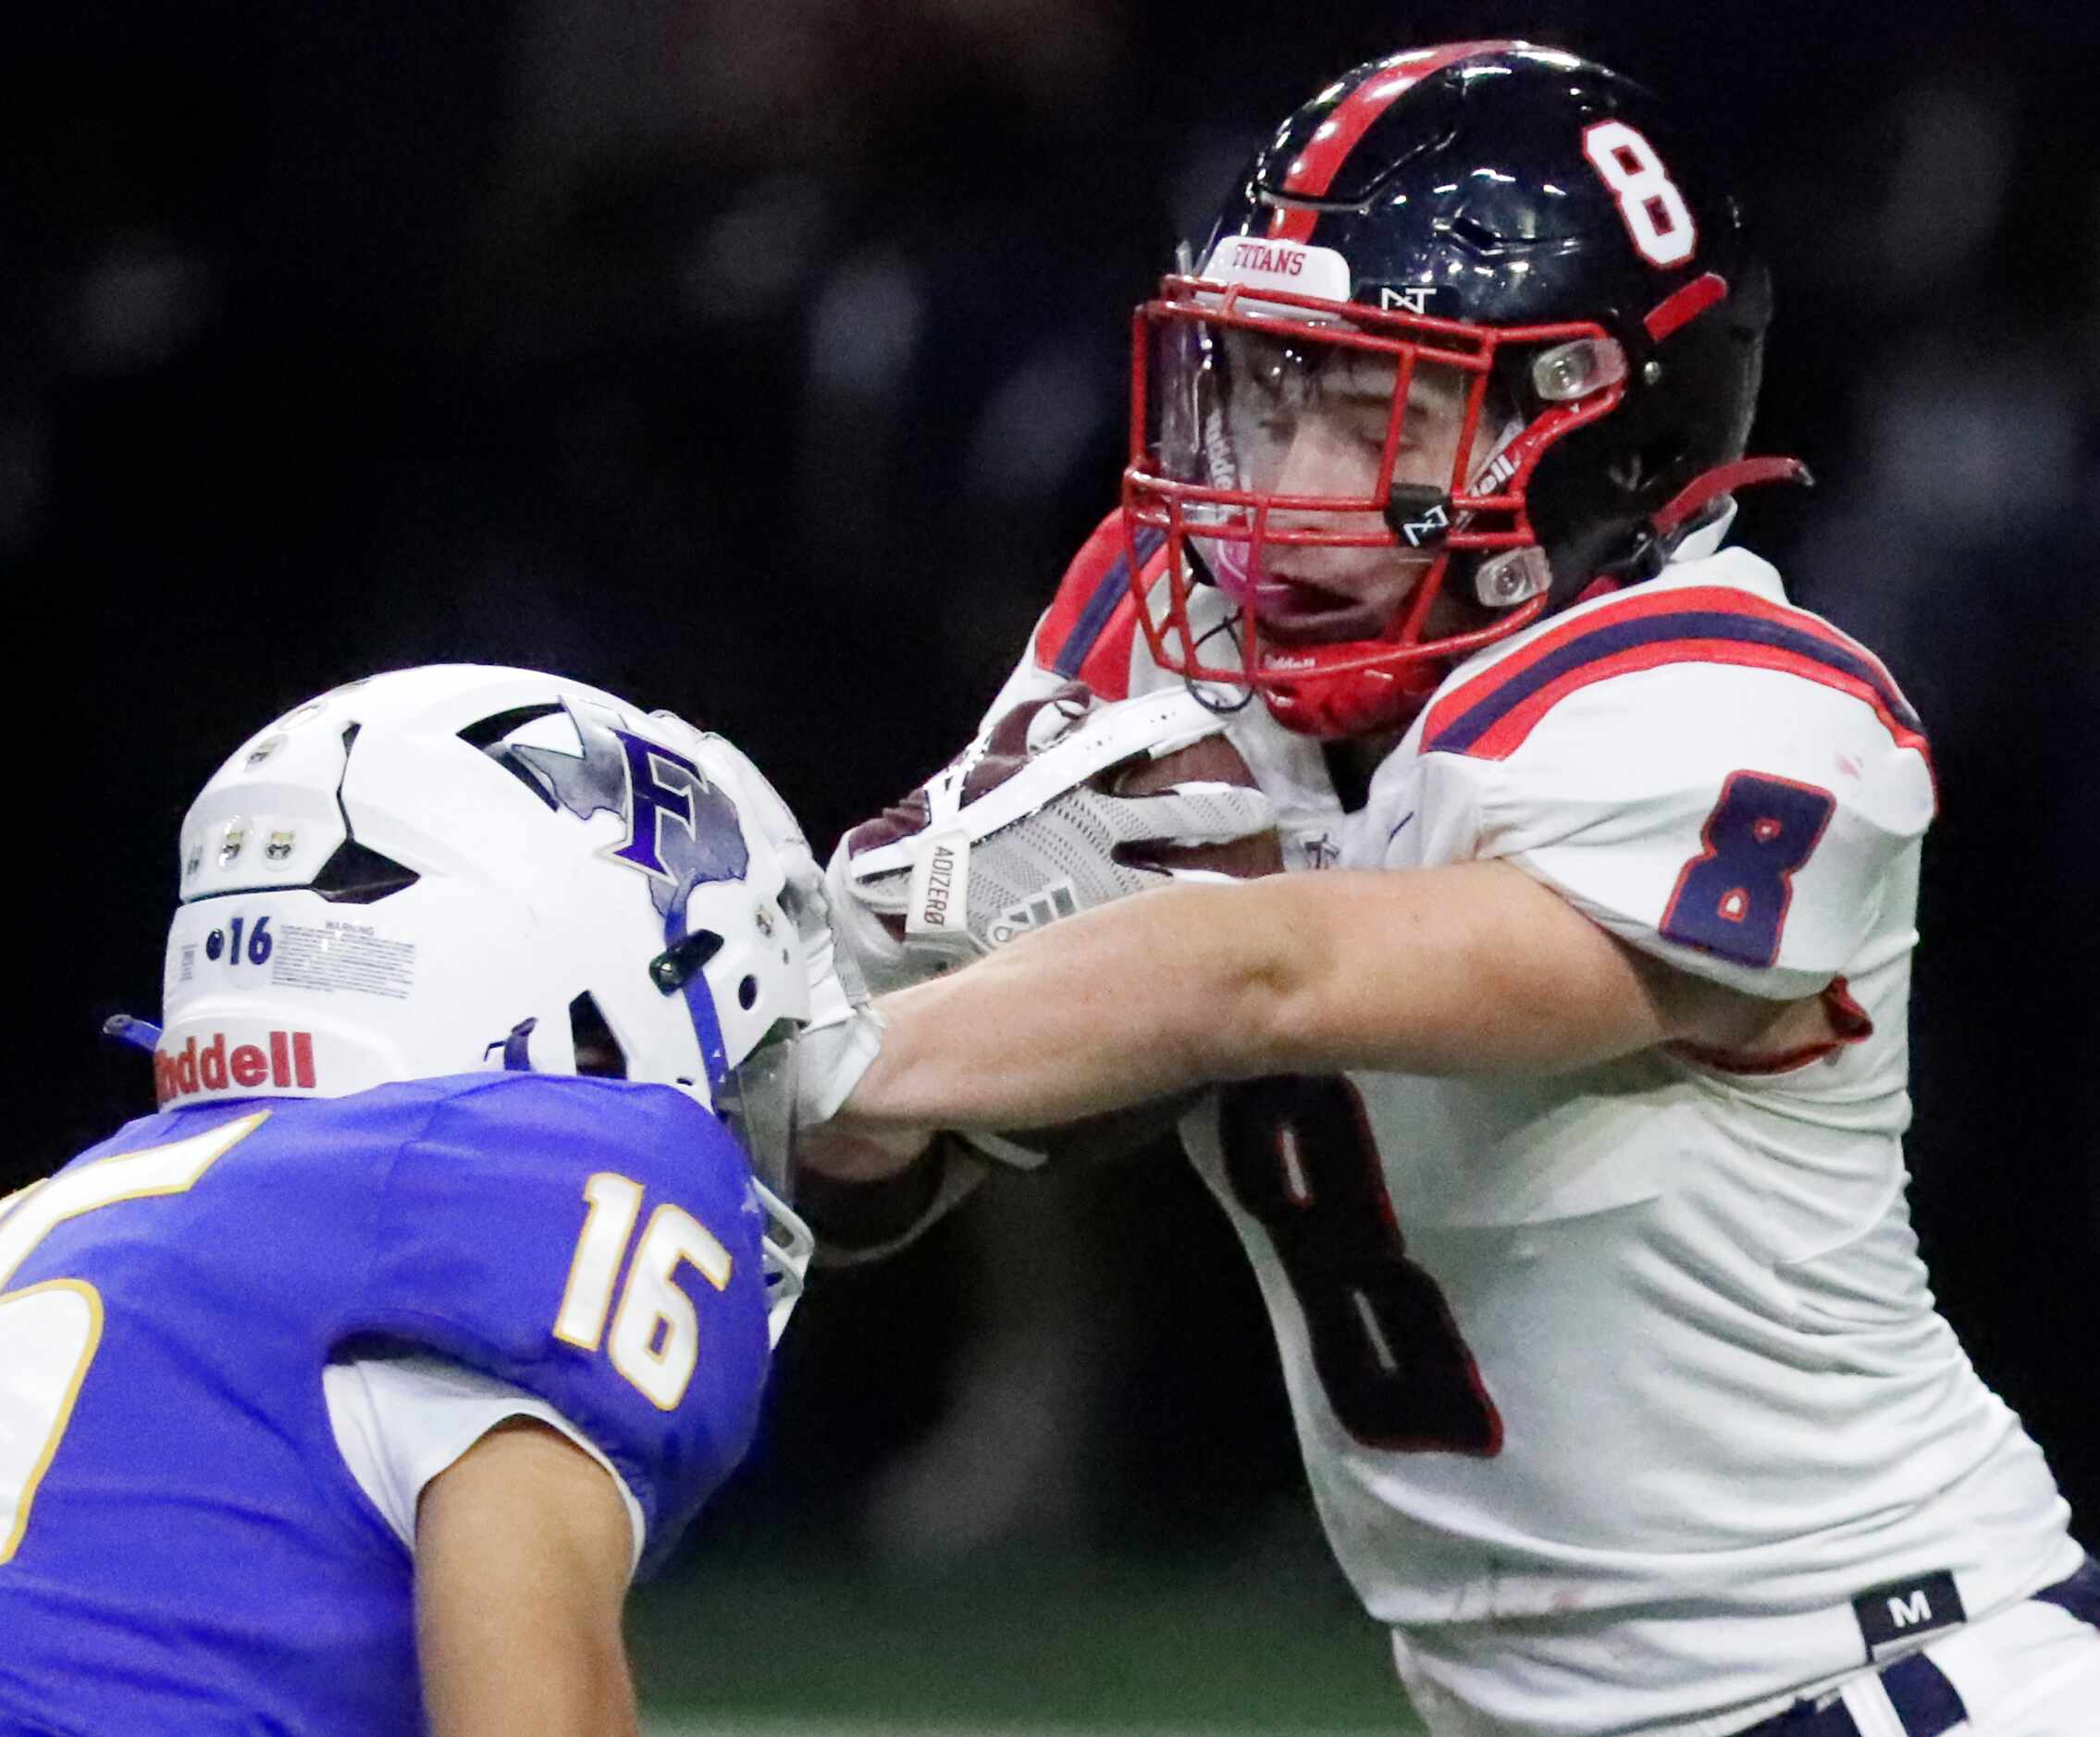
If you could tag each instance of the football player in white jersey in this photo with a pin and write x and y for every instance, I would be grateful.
(1560, 1118)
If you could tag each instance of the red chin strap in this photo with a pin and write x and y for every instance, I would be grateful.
(1725, 479)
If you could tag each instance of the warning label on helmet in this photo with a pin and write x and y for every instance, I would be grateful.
(352, 956)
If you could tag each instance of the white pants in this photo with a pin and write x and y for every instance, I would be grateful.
(2030, 1670)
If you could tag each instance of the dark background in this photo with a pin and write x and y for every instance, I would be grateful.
(765, 358)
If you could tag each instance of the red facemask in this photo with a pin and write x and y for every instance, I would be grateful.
(1268, 427)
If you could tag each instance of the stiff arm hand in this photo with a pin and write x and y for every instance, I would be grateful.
(1025, 817)
(1027, 827)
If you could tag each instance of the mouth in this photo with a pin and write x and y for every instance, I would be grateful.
(1301, 611)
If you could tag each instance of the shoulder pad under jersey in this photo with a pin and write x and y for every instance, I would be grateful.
(594, 1242)
(1090, 631)
(1714, 776)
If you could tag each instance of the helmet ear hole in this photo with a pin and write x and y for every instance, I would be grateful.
(747, 993)
(598, 1051)
(356, 875)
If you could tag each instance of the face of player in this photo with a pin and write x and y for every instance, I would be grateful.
(1307, 420)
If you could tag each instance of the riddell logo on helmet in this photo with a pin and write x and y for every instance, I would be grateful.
(287, 1065)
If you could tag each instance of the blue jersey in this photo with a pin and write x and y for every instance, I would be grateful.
(182, 1545)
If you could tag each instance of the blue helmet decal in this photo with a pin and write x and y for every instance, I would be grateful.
(681, 828)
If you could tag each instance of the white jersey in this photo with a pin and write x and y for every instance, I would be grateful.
(1617, 1388)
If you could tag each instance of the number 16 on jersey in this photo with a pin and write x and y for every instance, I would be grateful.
(655, 1340)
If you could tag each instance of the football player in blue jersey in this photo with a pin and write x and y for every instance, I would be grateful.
(346, 1393)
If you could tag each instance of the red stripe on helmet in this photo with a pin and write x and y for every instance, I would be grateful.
(1313, 172)
(1685, 305)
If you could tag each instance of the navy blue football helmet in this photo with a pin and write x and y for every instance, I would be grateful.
(1524, 227)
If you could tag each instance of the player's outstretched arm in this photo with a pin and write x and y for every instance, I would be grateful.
(522, 1551)
(1060, 805)
(1472, 968)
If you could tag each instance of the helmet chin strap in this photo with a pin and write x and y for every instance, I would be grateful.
(517, 1052)
(1724, 479)
(699, 1000)
(1684, 508)
(139, 1034)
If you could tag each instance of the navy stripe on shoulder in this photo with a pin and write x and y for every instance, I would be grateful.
(1114, 587)
(1614, 638)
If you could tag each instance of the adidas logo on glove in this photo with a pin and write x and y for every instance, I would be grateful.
(1037, 912)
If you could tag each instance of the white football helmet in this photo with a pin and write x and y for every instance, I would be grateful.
(459, 868)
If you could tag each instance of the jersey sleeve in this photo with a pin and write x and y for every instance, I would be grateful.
(1090, 631)
(1738, 819)
(399, 1420)
(597, 1245)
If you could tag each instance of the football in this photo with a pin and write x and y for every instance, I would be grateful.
(1211, 760)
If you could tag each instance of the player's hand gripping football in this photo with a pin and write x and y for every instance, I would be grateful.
(1049, 813)
(1039, 818)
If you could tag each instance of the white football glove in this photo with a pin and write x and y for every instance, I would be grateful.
(1023, 829)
